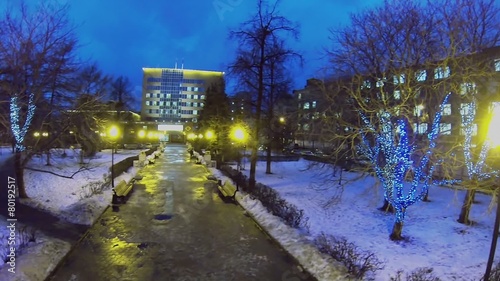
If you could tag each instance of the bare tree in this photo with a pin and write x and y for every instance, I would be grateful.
(121, 94)
(257, 40)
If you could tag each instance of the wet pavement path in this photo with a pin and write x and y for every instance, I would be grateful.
(175, 227)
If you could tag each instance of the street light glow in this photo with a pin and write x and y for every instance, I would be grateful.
(209, 134)
(142, 134)
(238, 134)
(113, 132)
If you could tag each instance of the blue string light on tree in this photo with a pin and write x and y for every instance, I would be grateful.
(15, 120)
(474, 170)
(390, 153)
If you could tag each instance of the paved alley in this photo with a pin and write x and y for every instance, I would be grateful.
(175, 227)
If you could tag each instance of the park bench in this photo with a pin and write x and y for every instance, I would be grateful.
(227, 189)
(120, 192)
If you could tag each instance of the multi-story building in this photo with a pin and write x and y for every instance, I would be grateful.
(241, 106)
(173, 98)
(476, 75)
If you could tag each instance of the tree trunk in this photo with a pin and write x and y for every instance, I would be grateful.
(48, 158)
(387, 207)
(18, 166)
(268, 159)
(397, 230)
(426, 196)
(466, 206)
(253, 164)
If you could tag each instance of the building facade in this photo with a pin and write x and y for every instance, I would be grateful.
(173, 98)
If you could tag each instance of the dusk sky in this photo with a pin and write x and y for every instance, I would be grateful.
(124, 36)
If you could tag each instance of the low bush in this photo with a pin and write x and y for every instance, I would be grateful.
(359, 263)
(270, 199)
(419, 274)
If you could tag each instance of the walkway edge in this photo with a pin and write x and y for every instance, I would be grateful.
(73, 246)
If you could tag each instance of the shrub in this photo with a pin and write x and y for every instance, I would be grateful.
(357, 262)
(92, 188)
(419, 274)
(270, 199)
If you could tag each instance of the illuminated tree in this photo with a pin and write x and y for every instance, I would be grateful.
(386, 143)
(479, 175)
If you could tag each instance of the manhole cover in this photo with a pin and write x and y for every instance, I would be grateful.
(162, 217)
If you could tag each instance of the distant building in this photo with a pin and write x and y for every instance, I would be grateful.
(174, 97)
(241, 106)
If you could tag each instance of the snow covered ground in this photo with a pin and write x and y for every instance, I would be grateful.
(435, 239)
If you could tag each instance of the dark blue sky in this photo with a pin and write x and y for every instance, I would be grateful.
(124, 36)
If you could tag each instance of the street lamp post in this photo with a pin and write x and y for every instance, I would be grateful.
(494, 141)
(239, 135)
(113, 134)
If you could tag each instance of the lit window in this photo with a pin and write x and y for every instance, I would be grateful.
(467, 89)
(442, 72)
(497, 64)
(445, 128)
(421, 75)
(418, 110)
(147, 102)
(380, 83)
(148, 95)
(447, 109)
(202, 97)
(399, 79)
(300, 96)
(195, 111)
(467, 109)
(473, 127)
(306, 105)
(420, 128)
(397, 94)
(313, 104)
